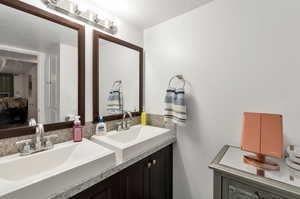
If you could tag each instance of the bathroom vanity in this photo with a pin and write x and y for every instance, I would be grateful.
(233, 179)
(90, 170)
(149, 178)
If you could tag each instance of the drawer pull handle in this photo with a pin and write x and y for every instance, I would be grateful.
(235, 192)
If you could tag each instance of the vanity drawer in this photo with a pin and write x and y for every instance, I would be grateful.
(235, 192)
(232, 189)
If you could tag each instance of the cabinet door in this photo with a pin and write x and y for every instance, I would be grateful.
(132, 181)
(160, 176)
(108, 189)
(150, 178)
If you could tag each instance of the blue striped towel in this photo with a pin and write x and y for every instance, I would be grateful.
(115, 101)
(175, 110)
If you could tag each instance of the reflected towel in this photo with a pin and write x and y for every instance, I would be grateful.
(114, 101)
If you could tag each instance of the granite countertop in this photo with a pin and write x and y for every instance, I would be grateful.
(70, 191)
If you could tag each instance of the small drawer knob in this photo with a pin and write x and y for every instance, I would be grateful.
(154, 162)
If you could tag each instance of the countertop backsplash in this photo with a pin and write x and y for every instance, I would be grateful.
(8, 145)
(156, 120)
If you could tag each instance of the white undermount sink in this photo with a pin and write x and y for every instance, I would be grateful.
(48, 172)
(130, 143)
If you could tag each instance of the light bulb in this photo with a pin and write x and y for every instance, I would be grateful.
(117, 22)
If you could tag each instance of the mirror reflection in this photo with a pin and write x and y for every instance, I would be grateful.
(36, 56)
(118, 79)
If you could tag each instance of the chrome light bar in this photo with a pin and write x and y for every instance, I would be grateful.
(70, 8)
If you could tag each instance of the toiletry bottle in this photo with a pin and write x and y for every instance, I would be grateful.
(144, 118)
(100, 127)
(77, 130)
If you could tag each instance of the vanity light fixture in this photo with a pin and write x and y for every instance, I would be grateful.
(72, 9)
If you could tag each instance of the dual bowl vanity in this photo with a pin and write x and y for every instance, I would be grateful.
(70, 169)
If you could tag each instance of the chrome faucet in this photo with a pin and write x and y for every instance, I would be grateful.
(38, 143)
(125, 124)
(39, 136)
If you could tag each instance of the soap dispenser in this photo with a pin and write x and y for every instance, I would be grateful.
(100, 127)
(77, 130)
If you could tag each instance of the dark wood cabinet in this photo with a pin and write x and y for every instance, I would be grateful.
(107, 189)
(132, 181)
(150, 178)
(160, 174)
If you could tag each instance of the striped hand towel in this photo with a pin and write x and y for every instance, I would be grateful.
(115, 101)
(175, 110)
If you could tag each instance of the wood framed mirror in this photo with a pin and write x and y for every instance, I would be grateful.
(42, 69)
(117, 77)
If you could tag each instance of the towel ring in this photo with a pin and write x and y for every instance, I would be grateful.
(180, 77)
(117, 84)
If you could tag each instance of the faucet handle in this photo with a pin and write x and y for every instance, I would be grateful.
(128, 123)
(49, 143)
(22, 142)
(119, 126)
(26, 149)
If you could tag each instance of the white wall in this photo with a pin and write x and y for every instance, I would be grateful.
(118, 63)
(126, 32)
(237, 56)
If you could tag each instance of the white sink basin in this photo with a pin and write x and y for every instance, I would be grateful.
(130, 143)
(42, 174)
